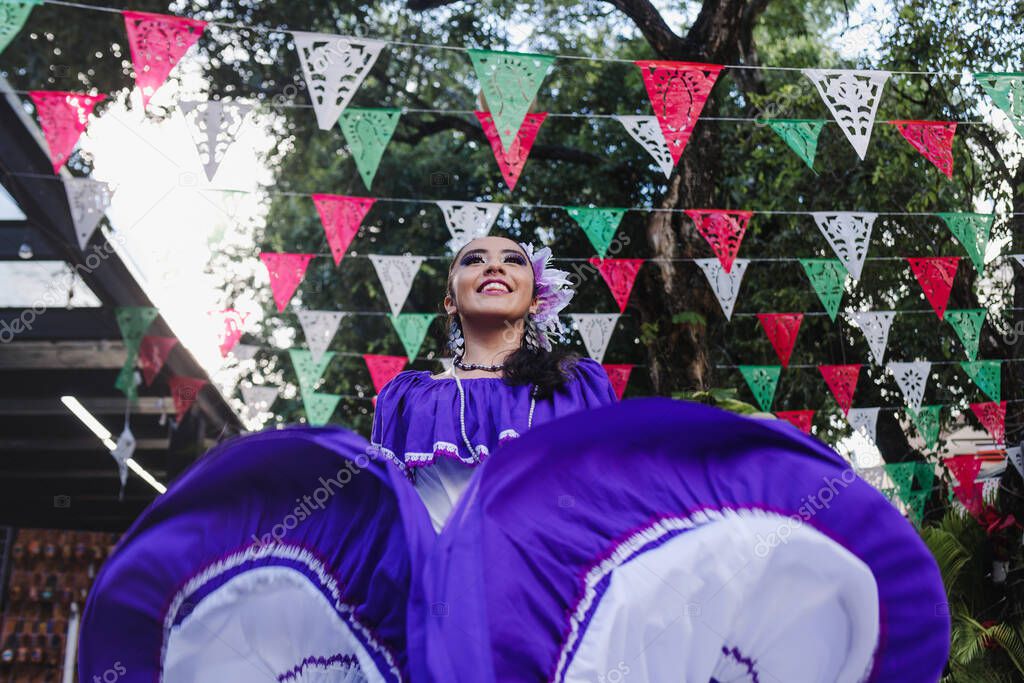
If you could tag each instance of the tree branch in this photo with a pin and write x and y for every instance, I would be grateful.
(652, 25)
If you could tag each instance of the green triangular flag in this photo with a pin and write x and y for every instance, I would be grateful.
(800, 134)
(12, 17)
(319, 407)
(762, 380)
(309, 371)
(967, 324)
(509, 81)
(367, 132)
(925, 474)
(134, 321)
(828, 277)
(126, 377)
(890, 493)
(987, 375)
(411, 329)
(599, 224)
(972, 229)
(1007, 91)
(902, 474)
(926, 421)
(915, 500)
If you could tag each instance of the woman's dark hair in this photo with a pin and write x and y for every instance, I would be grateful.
(548, 371)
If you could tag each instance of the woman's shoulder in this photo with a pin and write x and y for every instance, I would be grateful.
(585, 366)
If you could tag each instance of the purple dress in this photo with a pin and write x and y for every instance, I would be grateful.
(643, 540)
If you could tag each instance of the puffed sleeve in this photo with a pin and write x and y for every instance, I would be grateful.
(593, 388)
(386, 417)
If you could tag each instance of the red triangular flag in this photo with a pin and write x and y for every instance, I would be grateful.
(286, 272)
(63, 116)
(992, 416)
(935, 273)
(383, 368)
(341, 217)
(618, 375)
(933, 139)
(723, 230)
(801, 419)
(620, 274)
(781, 329)
(842, 380)
(153, 353)
(157, 42)
(230, 331)
(678, 91)
(511, 162)
(966, 468)
(185, 391)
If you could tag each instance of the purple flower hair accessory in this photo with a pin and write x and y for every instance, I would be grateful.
(553, 291)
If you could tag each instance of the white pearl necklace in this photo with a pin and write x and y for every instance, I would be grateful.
(475, 457)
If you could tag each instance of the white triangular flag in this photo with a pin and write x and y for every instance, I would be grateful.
(725, 285)
(852, 96)
(214, 125)
(258, 399)
(468, 220)
(244, 351)
(873, 475)
(596, 330)
(334, 67)
(396, 274)
(1019, 258)
(122, 453)
(88, 200)
(849, 234)
(647, 131)
(875, 326)
(1014, 455)
(865, 420)
(911, 378)
(319, 328)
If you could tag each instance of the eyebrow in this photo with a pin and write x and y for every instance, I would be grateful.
(484, 251)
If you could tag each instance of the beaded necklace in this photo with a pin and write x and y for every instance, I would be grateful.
(475, 457)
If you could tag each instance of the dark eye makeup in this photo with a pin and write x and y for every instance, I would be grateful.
(472, 258)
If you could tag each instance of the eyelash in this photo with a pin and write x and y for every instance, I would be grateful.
(469, 259)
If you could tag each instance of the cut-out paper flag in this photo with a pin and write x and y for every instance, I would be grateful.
(153, 353)
(319, 328)
(926, 422)
(852, 96)
(230, 329)
(933, 139)
(801, 419)
(133, 321)
(849, 235)
(647, 131)
(993, 418)
(726, 285)
(902, 474)
(214, 126)
(782, 329)
(512, 160)
(341, 217)
(258, 399)
(309, 370)
(596, 330)
(912, 378)
(1016, 456)
(334, 67)
(185, 392)
(842, 382)
(964, 469)
(88, 200)
(509, 81)
(828, 277)
(723, 230)
(873, 475)
(935, 274)
(319, 407)
(620, 274)
(875, 325)
(12, 18)
(157, 42)
(368, 132)
(383, 368)
(122, 453)
(618, 375)
(762, 380)
(468, 220)
(598, 224)
(925, 475)
(1019, 258)
(1007, 91)
(972, 230)
(286, 272)
(244, 351)
(987, 374)
(396, 274)
(864, 420)
(127, 380)
(412, 330)
(800, 134)
(678, 91)
(63, 117)
(967, 324)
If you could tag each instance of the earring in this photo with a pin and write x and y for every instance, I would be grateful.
(530, 334)
(456, 342)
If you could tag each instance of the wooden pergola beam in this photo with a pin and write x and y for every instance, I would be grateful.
(57, 355)
(145, 405)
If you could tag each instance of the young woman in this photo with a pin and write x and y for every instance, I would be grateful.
(509, 520)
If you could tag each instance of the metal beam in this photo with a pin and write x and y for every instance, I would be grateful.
(145, 405)
(50, 355)
(13, 234)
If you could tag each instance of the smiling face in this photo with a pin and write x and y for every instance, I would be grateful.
(491, 277)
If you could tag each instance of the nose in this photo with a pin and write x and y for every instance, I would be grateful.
(494, 266)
